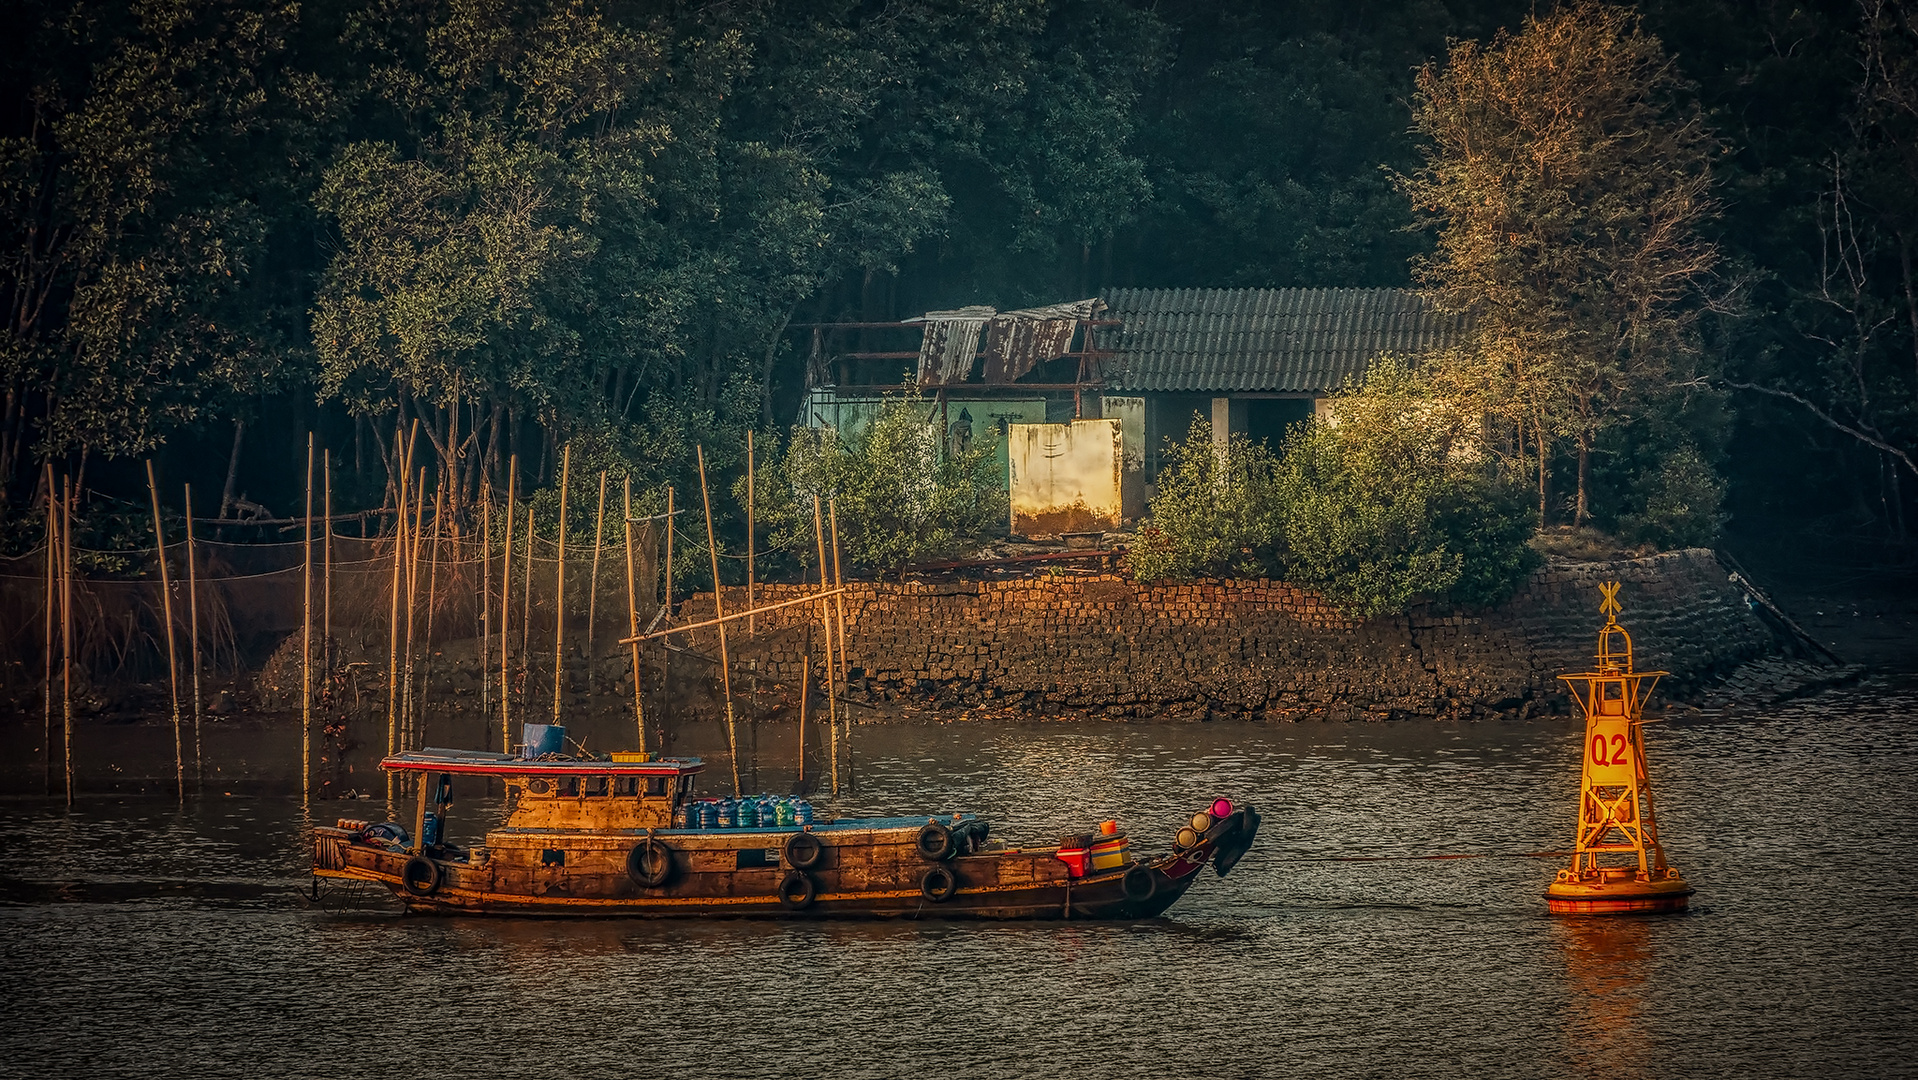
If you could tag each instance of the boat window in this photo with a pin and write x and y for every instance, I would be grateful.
(596, 785)
(656, 785)
(626, 785)
(569, 786)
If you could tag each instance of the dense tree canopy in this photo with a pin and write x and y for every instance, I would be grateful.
(601, 221)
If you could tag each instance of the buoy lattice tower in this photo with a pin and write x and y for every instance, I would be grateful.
(1616, 813)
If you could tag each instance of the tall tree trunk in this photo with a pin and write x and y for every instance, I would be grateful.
(232, 467)
(1544, 473)
(1581, 512)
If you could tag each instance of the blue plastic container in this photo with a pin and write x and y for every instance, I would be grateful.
(802, 813)
(728, 814)
(430, 829)
(783, 813)
(748, 813)
(708, 813)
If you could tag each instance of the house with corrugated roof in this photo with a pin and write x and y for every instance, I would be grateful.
(1249, 361)
(1252, 361)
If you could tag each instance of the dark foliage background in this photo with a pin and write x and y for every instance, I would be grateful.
(224, 223)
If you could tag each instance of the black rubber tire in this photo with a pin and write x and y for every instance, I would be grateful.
(422, 876)
(938, 883)
(803, 850)
(1140, 884)
(650, 863)
(796, 890)
(935, 842)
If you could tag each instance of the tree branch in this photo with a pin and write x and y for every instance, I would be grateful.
(1861, 436)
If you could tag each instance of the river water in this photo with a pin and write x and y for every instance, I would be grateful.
(140, 938)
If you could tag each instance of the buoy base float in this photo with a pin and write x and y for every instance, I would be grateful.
(1617, 890)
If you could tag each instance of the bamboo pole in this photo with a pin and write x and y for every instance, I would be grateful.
(752, 626)
(825, 622)
(172, 656)
(432, 603)
(306, 634)
(632, 616)
(526, 613)
(485, 627)
(506, 611)
(393, 614)
(725, 662)
(839, 606)
(559, 582)
(813, 598)
(592, 585)
(53, 561)
(666, 655)
(66, 629)
(839, 584)
(326, 561)
(407, 719)
(193, 637)
(805, 691)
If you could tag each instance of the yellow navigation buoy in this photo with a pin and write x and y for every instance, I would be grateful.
(1615, 812)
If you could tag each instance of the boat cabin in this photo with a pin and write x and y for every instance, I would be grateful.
(554, 796)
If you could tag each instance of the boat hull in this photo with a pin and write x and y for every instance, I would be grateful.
(858, 874)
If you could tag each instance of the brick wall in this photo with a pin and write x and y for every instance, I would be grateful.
(1107, 646)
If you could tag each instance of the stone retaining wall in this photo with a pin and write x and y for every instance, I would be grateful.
(1105, 645)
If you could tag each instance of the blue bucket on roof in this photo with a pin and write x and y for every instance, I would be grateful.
(542, 739)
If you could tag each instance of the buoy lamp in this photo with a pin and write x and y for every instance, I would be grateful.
(1616, 817)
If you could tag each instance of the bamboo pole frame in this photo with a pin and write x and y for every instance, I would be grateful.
(559, 584)
(172, 655)
(725, 661)
(193, 637)
(592, 583)
(825, 620)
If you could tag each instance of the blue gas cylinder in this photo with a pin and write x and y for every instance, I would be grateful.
(728, 814)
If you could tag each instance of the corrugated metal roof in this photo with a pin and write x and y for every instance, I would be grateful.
(1263, 340)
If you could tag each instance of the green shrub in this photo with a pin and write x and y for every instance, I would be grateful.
(1683, 503)
(1386, 502)
(1213, 513)
(899, 502)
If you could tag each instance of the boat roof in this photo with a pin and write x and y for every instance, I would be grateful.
(486, 763)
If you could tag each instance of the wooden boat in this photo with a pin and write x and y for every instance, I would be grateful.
(610, 837)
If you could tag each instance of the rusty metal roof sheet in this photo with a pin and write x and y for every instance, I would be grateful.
(1263, 340)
